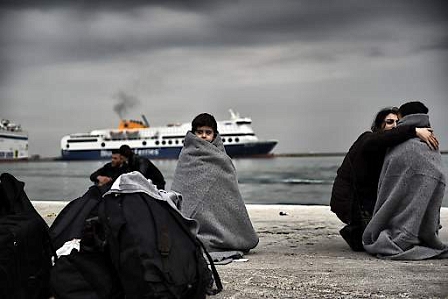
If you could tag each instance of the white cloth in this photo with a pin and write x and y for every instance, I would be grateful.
(68, 246)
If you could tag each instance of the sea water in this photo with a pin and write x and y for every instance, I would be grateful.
(279, 180)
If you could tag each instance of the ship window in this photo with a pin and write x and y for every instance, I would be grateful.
(82, 140)
(157, 142)
(182, 141)
(172, 137)
(230, 139)
(103, 144)
(170, 142)
(223, 140)
(177, 141)
(144, 142)
(67, 145)
(163, 142)
(237, 134)
(237, 139)
(243, 122)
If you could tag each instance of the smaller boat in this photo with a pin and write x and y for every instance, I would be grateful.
(13, 142)
(162, 142)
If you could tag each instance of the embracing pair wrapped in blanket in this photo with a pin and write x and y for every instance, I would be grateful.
(406, 221)
(206, 178)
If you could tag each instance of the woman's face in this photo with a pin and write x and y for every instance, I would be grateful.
(205, 132)
(390, 121)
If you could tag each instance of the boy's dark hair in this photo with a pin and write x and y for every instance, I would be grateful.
(115, 151)
(204, 119)
(126, 151)
(377, 124)
(414, 107)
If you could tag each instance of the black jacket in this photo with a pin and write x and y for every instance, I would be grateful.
(149, 170)
(357, 178)
(109, 171)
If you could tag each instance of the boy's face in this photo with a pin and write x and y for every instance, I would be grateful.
(205, 132)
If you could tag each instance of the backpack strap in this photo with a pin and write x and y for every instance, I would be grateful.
(51, 248)
(216, 277)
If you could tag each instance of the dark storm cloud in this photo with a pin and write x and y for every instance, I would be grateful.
(303, 61)
(89, 30)
(376, 52)
(207, 24)
(440, 44)
(99, 4)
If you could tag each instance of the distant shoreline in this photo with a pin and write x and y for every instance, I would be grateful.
(335, 154)
(328, 154)
(37, 158)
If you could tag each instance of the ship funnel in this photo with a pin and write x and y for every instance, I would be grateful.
(145, 121)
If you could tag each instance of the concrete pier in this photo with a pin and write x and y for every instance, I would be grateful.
(301, 255)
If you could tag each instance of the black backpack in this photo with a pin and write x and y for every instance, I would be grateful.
(25, 247)
(153, 251)
(70, 221)
(87, 273)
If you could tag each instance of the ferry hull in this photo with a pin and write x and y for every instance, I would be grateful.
(234, 151)
(162, 142)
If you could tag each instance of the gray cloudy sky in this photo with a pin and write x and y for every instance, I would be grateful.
(311, 74)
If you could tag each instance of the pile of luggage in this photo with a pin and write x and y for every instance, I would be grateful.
(109, 245)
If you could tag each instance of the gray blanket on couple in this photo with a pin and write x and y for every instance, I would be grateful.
(406, 218)
(206, 178)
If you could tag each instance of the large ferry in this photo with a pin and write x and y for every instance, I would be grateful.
(13, 141)
(161, 142)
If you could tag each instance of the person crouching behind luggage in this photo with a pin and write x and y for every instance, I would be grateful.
(110, 171)
(142, 165)
(207, 180)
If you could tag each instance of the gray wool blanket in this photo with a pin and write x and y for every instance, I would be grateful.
(206, 178)
(406, 218)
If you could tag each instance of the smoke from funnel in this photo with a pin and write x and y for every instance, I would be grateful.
(125, 102)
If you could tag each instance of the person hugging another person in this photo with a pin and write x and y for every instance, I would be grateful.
(406, 219)
(355, 187)
(207, 180)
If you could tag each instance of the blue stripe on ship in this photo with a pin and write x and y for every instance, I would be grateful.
(14, 137)
(234, 150)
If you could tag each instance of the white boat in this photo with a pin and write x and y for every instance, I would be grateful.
(13, 141)
(161, 142)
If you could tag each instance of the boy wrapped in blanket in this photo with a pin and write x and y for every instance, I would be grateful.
(207, 180)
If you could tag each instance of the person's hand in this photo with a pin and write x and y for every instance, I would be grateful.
(427, 136)
(103, 180)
